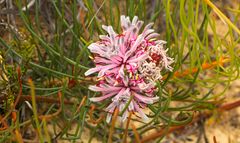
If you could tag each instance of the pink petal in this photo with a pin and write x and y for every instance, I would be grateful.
(105, 68)
(121, 72)
(98, 60)
(145, 99)
(143, 116)
(100, 89)
(138, 59)
(116, 59)
(134, 47)
(114, 70)
(110, 109)
(97, 99)
(121, 93)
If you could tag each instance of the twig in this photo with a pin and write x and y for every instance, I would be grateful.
(81, 104)
(48, 100)
(196, 118)
(229, 106)
(114, 119)
(49, 116)
(40, 99)
(136, 134)
(14, 112)
(91, 116)
(204, 66)
(214, 139)
(80, 18)
(20, 87)
(14, 116)
(18, 136)
(5, 125)
(126, 129)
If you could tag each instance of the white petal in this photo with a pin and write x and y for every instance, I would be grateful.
(92, 70)
(147, 32)
(148, 27)
(134, 21)
(124, 116)
(109, 116)
(105, 28)
(143, 116)
(151, 36)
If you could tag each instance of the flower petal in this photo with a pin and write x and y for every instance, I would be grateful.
(105, 68)
(143, 116)
(92, 70)
(97, 99)
(138, 59)
(145, 99)
(101, 89)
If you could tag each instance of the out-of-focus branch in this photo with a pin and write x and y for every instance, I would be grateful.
(114, 119)
(50, 116)
(196, 118)
(204, 66)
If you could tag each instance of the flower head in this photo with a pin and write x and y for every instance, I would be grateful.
(128, 65)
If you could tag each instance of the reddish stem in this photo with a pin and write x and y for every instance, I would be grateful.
(196, 118)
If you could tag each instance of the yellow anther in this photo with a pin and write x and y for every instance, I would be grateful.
(101, 78)
(137, 76)
(130, 75)
(91, 57)
(153, 39)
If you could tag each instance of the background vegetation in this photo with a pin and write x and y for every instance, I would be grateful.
(44, 93)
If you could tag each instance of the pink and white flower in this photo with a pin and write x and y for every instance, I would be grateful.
(128, 65)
